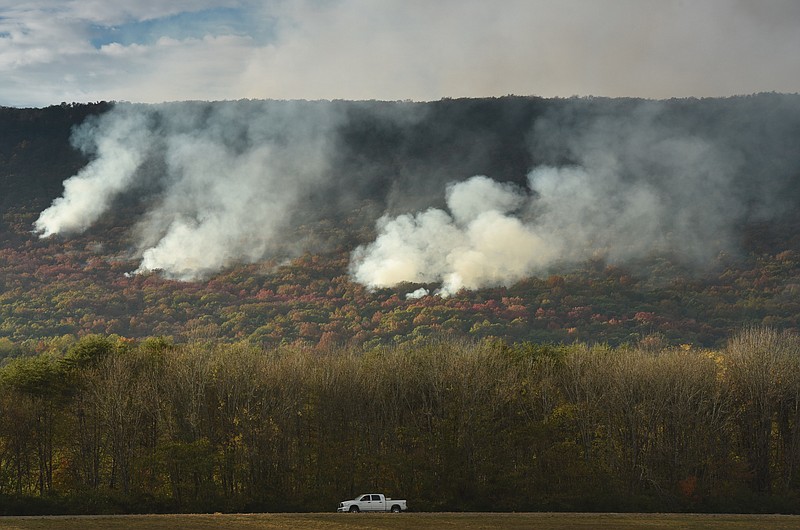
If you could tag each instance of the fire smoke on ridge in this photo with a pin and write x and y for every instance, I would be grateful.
(613, 179)
(635, 188)
(230, 176)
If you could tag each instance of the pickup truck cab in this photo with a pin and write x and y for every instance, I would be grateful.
(372, 502)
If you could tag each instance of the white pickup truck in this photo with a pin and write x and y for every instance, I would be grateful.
(372, 502)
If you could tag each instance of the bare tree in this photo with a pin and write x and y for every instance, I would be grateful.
(761, 369)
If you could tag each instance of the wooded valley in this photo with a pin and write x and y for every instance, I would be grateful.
(615, 376)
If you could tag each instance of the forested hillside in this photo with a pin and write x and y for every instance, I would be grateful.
(390, 158)
(506, 304)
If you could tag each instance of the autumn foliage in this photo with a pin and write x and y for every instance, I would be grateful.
(114, 425)
(284, 385)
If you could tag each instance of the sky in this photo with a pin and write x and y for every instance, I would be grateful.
(150, 51)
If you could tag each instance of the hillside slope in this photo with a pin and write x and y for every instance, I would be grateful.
(736, 218)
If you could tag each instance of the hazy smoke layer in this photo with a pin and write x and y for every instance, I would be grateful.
(215, 184)
(633, 188)
(229, 174)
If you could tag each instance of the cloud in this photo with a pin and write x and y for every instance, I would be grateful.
(52, 51)
(111, 12)
(361, 49)
(182, 26)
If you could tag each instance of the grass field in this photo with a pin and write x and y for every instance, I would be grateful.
(461, 521)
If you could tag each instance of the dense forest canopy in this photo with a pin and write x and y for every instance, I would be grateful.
(585, 303)
(674, 217)
(114, 425)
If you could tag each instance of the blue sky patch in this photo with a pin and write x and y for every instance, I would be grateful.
(186, 25)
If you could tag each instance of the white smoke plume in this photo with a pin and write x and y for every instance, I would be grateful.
(478, 243)
(119, 143)
(230, 175)
(417, 294)
(214, 184)
(634, 189)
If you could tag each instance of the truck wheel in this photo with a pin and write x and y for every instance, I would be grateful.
(354, 509)
(395, 509)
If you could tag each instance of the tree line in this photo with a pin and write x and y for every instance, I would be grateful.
(113, 425)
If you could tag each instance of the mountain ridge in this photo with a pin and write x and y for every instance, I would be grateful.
(397, 158)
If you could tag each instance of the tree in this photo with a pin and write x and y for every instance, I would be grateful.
(762, 371)
(37, 392)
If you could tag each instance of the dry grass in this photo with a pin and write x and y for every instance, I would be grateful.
(461, 521)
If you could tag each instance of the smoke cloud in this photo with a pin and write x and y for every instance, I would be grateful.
(557, 182)
(477, 243)
(634, 187)
(120, 144)
(228, 178)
